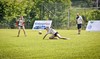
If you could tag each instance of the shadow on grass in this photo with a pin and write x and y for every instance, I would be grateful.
(50, 39)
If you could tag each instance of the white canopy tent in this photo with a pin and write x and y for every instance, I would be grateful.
(93, 25)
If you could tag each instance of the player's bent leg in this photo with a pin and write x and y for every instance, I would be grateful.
(52, 37)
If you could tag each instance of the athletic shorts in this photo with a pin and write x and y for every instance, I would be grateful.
(56, 34)
(79, 26)
(20, 26)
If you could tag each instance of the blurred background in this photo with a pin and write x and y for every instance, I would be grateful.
(61, 12)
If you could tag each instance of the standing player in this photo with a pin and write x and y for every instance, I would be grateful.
(79, 20)
(54, 34)
(20, 23)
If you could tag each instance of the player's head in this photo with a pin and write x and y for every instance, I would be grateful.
(21, 17)
(77, 14)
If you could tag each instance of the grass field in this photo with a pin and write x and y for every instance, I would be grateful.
(84, 46)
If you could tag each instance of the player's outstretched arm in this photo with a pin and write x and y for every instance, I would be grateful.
(45, 36)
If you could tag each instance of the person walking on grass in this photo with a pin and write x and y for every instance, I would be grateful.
(53, 33)
(79, 21)
(20, 24)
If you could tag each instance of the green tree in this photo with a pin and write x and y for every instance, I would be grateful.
(12, 9)
(95, 15)
(33, 9)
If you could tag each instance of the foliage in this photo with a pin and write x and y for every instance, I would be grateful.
(85, 3)
(95, 15)
(31, 9)
(55, 10)
(14, 8)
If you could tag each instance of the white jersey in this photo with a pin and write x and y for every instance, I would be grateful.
(79, 20)
(51, 31)
(20, 22)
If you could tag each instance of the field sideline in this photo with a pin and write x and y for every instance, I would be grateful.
(84, 46)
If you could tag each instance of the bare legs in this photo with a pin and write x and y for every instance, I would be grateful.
(61, 37)
(79, 31)
(24, 31)
(20, 29)
(79, 28)
(54, 37)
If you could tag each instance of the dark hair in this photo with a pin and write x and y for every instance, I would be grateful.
(77, 17)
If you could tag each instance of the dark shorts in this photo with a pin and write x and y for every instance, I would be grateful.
(79, 26)
(56, 34)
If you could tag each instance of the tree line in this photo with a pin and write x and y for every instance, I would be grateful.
(55, 10)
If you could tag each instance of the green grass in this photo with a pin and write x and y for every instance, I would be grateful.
(84, 46)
